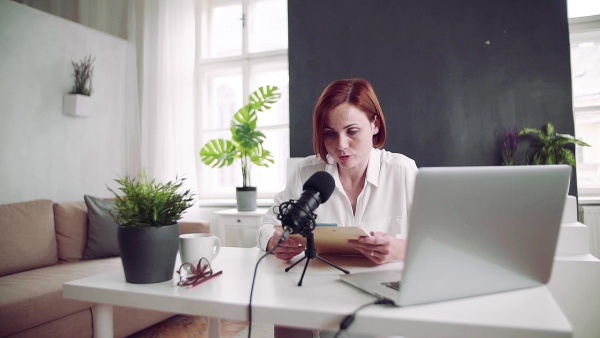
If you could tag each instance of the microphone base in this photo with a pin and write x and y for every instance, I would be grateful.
(311, 253)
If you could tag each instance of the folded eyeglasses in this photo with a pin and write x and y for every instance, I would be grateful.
(199, 273)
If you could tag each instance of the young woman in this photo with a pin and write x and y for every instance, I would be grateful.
(373, 187)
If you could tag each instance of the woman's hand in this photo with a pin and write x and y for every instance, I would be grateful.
(380, 247)
(287, 250)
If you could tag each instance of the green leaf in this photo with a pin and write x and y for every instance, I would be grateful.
(568, 157)
(264, 97)
(550, 129)
(218, 153)
(261, 157)
(245, 116)
(247, 138)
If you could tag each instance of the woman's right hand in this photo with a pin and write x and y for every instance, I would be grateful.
(287, 250)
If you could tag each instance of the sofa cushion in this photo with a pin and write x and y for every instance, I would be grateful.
(28, 240)
(189, 226)
(76, 325)
(102, 229)
(126, 322)
(70, 220)
(34, 297)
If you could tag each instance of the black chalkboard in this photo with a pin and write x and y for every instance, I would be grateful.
(448, 74)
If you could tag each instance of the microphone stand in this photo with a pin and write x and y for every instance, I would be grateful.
(311, 253)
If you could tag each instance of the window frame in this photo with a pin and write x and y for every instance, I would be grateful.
(585, 29)
(246, 60)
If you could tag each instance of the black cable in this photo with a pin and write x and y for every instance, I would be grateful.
(281, 240)
(347, 321)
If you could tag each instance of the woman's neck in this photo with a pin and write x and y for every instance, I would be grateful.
(353, 181)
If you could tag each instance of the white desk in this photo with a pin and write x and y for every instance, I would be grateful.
(321, 302)
(238, 228)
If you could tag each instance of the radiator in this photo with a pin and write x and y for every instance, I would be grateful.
(590, 216)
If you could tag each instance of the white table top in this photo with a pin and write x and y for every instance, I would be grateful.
(323, 300)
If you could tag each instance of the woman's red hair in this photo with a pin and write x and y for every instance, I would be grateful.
(357, 92)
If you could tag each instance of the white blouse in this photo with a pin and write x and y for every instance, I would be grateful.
(382, 205)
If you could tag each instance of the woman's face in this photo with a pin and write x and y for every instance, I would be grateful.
(348, 136)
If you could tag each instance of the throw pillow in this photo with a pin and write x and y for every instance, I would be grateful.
(102, 229)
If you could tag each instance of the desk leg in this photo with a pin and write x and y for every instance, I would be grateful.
(103, 320)
(214, 327)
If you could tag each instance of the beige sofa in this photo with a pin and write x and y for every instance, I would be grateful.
(42, 246)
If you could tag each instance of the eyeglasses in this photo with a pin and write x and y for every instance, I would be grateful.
(199, 273)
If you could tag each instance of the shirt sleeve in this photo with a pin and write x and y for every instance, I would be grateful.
(292, 191)
(410, 178)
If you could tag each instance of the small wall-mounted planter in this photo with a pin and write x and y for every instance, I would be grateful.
(77, 105)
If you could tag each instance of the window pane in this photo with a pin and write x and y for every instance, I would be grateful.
(219, 182)
(225, 97)
(272, 179)
(272, 74)
(585, 68)
(587, 127)
(579, 8)
(226, 30)
(268, 27)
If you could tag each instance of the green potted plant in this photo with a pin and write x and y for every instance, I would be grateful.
(77, 102)
(148, 212)
(550, 146)
(245, 145)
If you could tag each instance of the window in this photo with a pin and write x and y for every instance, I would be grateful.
(584, 25)
(243, 46)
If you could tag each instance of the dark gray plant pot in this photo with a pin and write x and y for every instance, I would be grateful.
(245, 198)
(148, 254)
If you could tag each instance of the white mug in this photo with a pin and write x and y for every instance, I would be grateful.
(194, 246)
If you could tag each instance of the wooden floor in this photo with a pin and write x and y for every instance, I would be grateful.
(183, 326)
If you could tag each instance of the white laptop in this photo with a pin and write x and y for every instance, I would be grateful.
(476, 231)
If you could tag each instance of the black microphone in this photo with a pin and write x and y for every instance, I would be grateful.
(297, 216)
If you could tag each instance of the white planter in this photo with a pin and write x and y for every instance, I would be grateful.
(77, 105)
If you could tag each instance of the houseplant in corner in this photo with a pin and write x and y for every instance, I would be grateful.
(508, 140)
(148, 212)
(77, 102)
(550, 146)
(246, 144)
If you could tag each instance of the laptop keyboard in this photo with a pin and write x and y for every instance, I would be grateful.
(392, 285)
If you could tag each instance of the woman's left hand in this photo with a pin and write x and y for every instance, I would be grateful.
(380, 247)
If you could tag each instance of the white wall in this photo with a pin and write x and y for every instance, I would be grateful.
(43, 153)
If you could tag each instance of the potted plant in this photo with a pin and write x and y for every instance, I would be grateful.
(77, 102)
(148, 212)
(246, 144)
(550, 146)
(508, 144)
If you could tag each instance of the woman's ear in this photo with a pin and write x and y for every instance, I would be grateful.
(375, 126)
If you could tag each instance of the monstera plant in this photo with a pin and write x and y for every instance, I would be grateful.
(550, 146)
(245, 145)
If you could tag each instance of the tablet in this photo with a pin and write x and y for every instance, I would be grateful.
(331, 239)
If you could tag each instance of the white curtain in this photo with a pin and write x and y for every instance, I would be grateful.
(164, 32)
